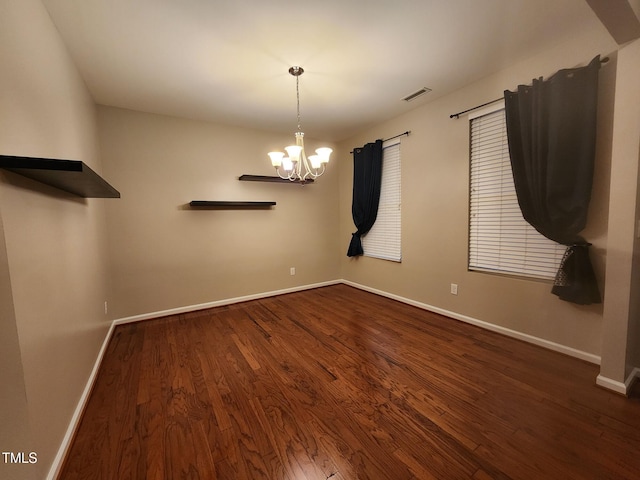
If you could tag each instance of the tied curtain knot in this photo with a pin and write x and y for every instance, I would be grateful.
(575, 280)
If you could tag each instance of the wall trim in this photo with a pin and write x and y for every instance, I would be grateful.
(541, 342)
(616, 386)
(220, 303)
(56, 465)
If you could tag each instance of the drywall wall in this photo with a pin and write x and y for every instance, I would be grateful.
(15, 434)
(435, 179)
(622, 307)
(164, 255)
(633, 334)
(55, 252)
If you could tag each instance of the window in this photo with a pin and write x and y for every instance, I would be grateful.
(500, 240)
(383, 240)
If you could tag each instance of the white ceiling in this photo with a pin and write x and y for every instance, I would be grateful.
(228, 60)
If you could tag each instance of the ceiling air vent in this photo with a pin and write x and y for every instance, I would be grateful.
(414, 95)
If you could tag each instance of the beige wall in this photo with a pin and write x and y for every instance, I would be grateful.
(435, 177)
(53, 244)
(164, 255)
(15, 434)
(622, 308)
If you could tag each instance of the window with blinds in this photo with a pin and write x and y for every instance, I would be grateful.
(383, 240)
(500, 240)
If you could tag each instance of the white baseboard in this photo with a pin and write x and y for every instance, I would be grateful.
(77, 414)
(556, 347)
(616, 386)
(221, 303)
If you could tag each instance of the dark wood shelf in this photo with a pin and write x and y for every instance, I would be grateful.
(72, 176)
(266, 178)
(223, 205)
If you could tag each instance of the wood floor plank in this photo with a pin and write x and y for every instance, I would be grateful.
(339, 384)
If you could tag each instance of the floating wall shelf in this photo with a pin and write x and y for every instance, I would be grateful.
(72, 176)
(222, 205)
(265, 178)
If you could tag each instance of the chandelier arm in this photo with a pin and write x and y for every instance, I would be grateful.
(313, 173)
(295, 172)
(307, 167)
(280, 174)
(309, 170)
(290, 176)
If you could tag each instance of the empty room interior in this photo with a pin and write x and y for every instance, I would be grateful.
(173, 306)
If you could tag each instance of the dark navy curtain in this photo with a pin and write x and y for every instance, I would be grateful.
(551, 131)
(367, 178)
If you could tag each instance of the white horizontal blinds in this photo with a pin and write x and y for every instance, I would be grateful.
(500, 240)
(383, 240)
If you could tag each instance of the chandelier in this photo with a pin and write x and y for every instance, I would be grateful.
(297, 166)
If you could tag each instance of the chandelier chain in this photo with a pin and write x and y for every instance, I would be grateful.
(298, 101)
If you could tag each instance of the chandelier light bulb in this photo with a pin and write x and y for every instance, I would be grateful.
(294, 152)
(324, 153)
(276, 158)
(315, 161)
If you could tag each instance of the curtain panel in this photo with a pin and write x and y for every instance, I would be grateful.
(367, 178)
(551, 132)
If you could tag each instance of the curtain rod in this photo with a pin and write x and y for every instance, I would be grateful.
(457, 115)
(407, 133)
(398, 136)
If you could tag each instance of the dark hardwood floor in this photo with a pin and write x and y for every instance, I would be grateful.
(336, 383)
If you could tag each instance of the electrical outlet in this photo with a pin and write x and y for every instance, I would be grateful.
(454, 289)
(292, 271)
